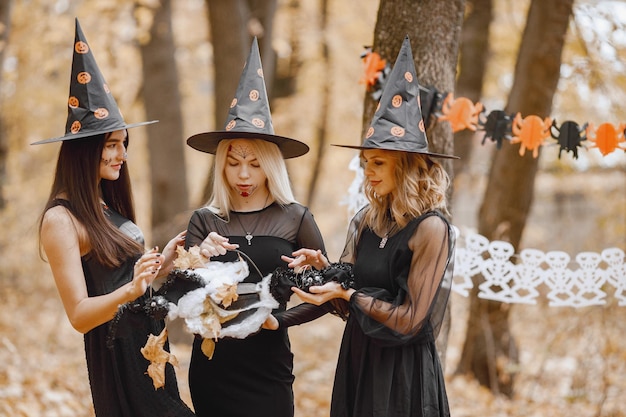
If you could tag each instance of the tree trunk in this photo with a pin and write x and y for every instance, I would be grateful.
(229, 38)
(472, 63)
(434, 28)
(261, 25)
(5, 20)
(165, 147)
(232, 25)
(490, 349)
(320, 144)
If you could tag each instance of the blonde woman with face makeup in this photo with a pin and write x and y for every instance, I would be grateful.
(252, 210)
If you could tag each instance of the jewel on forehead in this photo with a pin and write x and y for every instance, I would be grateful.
(240, 150)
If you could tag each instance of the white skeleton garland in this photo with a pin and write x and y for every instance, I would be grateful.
(510, 278)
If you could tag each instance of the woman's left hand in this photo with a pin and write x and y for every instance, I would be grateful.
(319, 294)
(302, 258)
(215, 244)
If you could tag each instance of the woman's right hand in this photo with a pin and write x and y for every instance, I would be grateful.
(303, 258)
(144, 272)
(215, 245)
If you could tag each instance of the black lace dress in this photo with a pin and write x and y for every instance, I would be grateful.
(120, 386)
(253, 377)
(388, 364)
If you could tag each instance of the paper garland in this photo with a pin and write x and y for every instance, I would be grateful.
(506, 276)
(531, 131)
(584, 281)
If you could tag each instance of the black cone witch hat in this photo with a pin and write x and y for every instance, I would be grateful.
(397, 124)
(249, 116)
(92, 110)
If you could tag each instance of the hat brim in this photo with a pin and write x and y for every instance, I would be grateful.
(87, 133)
(207, 142)
(436, 155)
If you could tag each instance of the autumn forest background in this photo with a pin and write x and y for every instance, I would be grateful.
(180, 61)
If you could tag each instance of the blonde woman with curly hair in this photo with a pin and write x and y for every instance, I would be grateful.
(400, 247)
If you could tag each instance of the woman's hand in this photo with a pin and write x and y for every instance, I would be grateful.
(303, 258)
(169, 253)
(144, 273)
(319, 294)
(215, 245)
(271, 323)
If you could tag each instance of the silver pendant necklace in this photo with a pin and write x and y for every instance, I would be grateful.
(249, 235)
(385, 238)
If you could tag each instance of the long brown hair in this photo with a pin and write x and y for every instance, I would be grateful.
(77, 178)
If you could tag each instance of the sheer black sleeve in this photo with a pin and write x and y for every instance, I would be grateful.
(424, 287)
(197, 230)
(300, 314)
(309, 236)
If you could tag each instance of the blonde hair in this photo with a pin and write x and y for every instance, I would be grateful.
(270, 160)
(421, 185)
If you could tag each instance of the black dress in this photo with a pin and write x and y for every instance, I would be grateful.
(120, 386)
(388, 364)
(253, 377)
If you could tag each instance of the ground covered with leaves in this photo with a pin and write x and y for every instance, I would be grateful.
(572, 362)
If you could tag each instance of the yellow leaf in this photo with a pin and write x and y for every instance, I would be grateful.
(158, 357)
(226, 294)
(189, 259)
(222, 315)
(210, 319)
(208, 347)
(156, 371)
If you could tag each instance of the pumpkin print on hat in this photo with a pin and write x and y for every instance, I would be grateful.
(81, 47)
(91, 108)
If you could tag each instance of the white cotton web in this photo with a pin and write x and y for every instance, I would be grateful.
(205, 313)
(355, 199)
